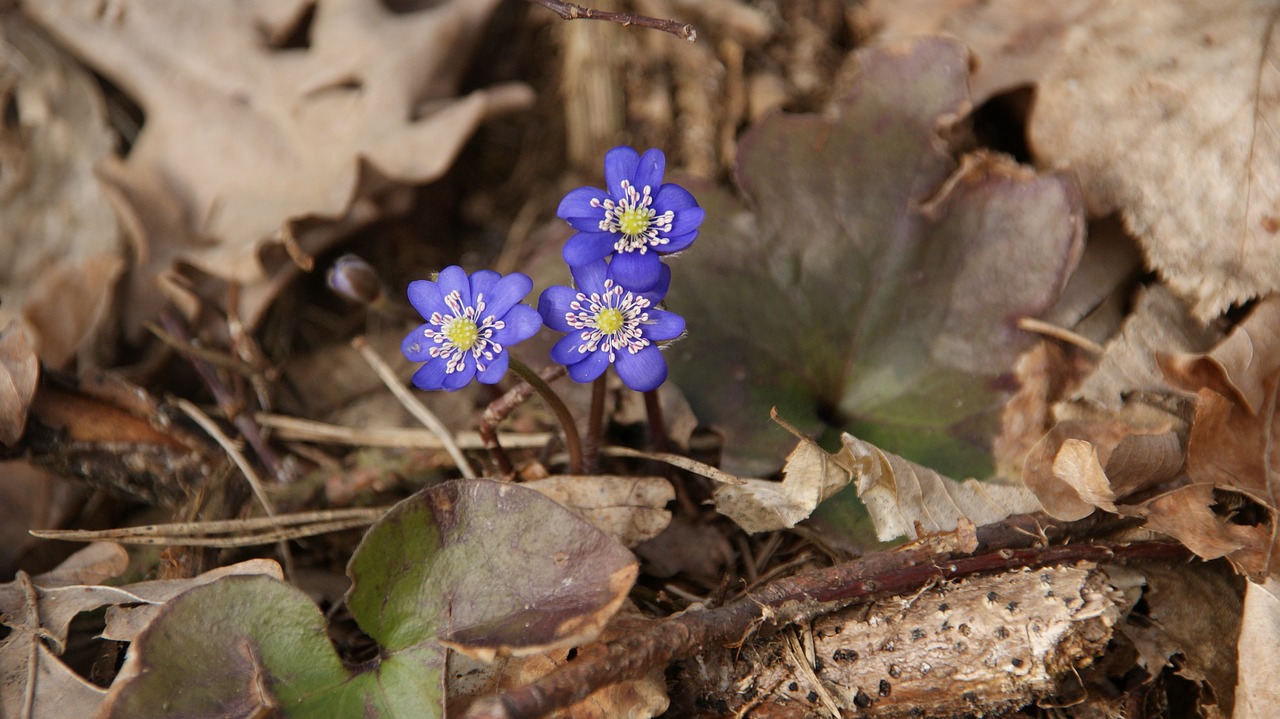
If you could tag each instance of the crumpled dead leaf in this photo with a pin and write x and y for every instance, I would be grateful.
(904, 499)
(629, 509)
(1171, 126)
(243, 134)
(1230, 448)
(19, 374)
(60, 245)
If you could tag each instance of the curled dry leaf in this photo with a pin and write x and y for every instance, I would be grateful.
(60, 246)
(629, 509)
(244, 133)
(1173, 127)
(1230, 448)
(906, 499)
(903, 498)
(19, 374)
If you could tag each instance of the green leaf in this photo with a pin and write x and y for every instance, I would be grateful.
(868, 278)
(486, 567)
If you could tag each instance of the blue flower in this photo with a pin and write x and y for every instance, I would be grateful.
(608, 324)
(636, 218)
(471, 321)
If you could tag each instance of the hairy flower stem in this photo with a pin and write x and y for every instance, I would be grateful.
(572, 442)
(595, 425)
(500, 409)
(657, 427)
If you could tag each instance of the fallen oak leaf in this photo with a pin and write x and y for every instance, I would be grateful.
(242, 136)
(1171, 127)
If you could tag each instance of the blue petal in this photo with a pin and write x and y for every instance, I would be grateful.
(687, 220)
(673, 197)
(553, 304)
(636, 272)
(505, 293)
(415, 345)
(590, 277)
(566, 352)
(494, 371)
(577, 210)
(642, 371)
(591, 367)
(431, 375)
(587, 247)
(649, 170)
(461, 378)
(425, 298)
(659, 290)
(678, 242)
(619, 164)
(453, 278)
(663, 325)
(482, 282)
(522, 321)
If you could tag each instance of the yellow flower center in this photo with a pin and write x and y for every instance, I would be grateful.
(609, 320)
(634, 221)
(462, 332)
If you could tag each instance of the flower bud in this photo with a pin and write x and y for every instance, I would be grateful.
(356, 280)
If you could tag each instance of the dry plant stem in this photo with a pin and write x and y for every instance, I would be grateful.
(415, 407)
(595, 425)
(569, 11)
(793, 599)
(572, 442)
(227, 401)
(246, 469)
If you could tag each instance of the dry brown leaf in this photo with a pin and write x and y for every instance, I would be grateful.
(810, 476)
(1230, 447)
(60, 246)
(1195, 609)
(1012, 41)
(19, 374)
(243, 134)
(906, 499)
(1160, 323)
(59, 692)
(1164, 110)
(1258, 692)
(629, 509)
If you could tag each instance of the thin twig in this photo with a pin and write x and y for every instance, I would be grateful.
(227, 402)
(414, 405)
(298, 429)
(676, 460)
(242, 532)
(796, 598)
(569, 11)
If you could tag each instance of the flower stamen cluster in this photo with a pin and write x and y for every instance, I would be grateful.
(456, 334)
(610, 320)
(634, 219)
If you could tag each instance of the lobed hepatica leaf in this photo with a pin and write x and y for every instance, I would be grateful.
(869, 279)
(482, 566)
